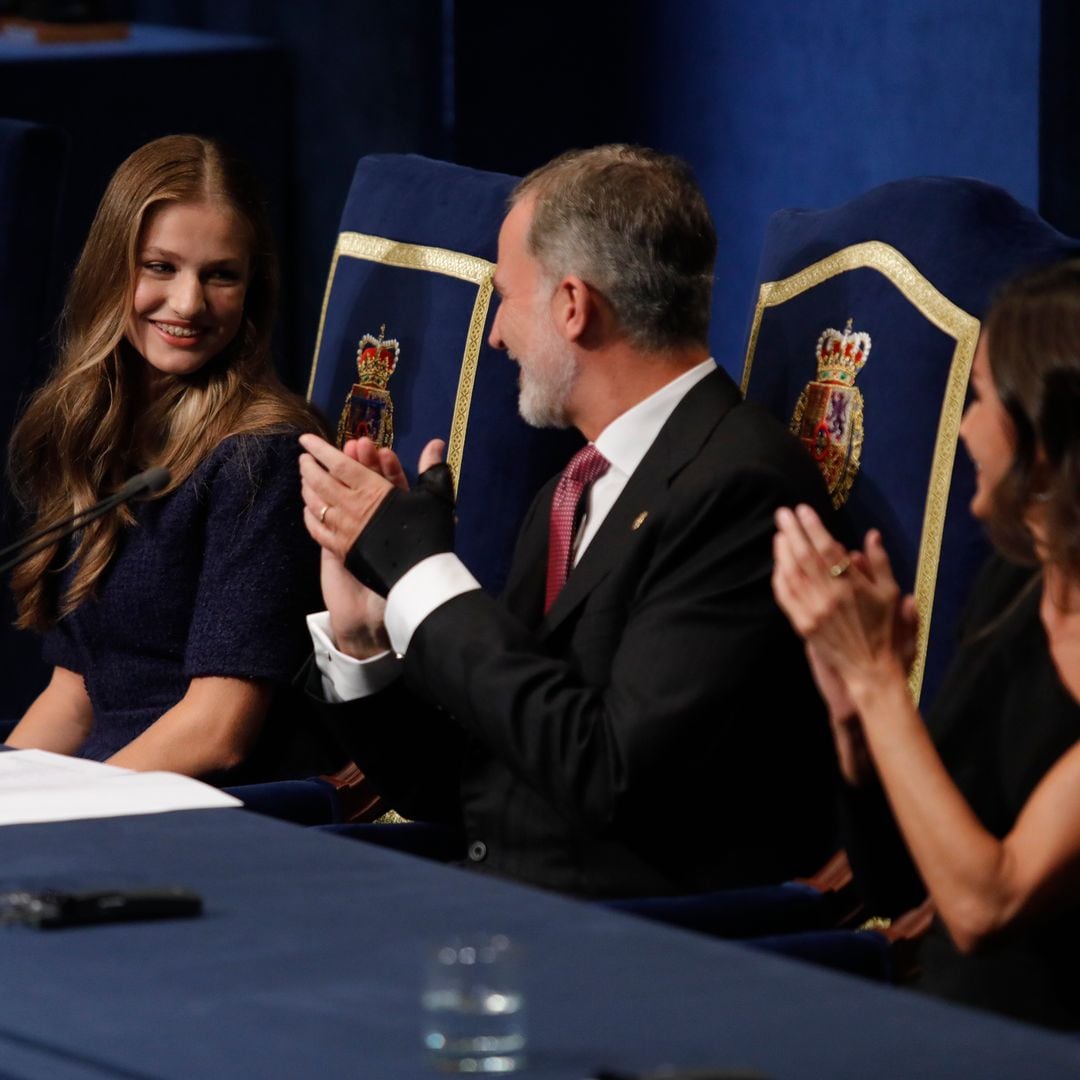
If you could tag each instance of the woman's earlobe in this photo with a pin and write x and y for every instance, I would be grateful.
(1042, 475)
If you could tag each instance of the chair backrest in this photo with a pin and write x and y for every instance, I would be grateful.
(862, 338)
(32, 167)
(411, 283)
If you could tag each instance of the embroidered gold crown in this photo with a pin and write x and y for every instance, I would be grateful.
(840, 356)
(376, 359)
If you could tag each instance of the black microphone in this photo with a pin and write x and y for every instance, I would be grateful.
(149, 482)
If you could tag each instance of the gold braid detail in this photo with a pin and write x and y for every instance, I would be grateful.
(952, 320)
(456, 264)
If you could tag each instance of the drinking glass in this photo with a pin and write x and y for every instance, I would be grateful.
(474, 1008)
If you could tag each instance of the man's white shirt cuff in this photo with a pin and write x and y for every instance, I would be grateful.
(345, 678)
(419, 591)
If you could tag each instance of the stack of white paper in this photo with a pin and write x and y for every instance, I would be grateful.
(36, 785)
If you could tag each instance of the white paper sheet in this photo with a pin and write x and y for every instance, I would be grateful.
(36, 786)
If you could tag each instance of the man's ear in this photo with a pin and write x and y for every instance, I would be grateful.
(573, 307)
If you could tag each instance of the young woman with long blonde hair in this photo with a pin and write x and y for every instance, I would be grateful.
(168, 622)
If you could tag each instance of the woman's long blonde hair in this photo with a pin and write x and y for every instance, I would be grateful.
(89, 428)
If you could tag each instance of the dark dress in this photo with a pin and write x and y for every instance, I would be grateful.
(213, 580)
(1001, 719)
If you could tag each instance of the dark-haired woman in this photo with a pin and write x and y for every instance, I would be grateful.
(168, 623)
(986, 794)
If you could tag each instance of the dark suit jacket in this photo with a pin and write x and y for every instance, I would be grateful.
(657, 731)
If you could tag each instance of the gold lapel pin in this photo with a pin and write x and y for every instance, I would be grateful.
(639, 521)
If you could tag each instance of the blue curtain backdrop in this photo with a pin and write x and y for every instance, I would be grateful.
(789, 103)
(795, 103)
(784, 103)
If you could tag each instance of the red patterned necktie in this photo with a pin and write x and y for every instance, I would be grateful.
(585, 466)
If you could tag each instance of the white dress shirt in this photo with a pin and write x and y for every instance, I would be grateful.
(439, 578)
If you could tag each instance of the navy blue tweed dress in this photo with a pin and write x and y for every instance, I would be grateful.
(213, 579)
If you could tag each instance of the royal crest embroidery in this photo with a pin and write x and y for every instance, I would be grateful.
(368, 408)
(828, 417)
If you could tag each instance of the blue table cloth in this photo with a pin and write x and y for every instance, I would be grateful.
(308, 961)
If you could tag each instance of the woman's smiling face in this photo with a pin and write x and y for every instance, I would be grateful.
(191, 277)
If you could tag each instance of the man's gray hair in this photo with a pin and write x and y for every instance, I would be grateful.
(633, 224)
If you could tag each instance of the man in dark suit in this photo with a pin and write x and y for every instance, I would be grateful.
(633, 716)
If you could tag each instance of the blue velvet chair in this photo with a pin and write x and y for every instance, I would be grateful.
(33, 159)
(910, 267)
(402, 355)
(413, 264)
(862, 338)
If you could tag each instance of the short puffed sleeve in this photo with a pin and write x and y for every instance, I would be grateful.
(260, 569)
(60, 647)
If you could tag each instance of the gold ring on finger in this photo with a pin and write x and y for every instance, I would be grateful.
(322, 514)
(839, 569)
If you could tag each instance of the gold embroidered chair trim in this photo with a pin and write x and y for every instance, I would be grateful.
(434, 260)
(950, 319)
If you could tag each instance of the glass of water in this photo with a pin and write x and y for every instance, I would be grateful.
(474, 1009)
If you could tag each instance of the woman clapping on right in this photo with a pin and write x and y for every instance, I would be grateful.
(986, 792)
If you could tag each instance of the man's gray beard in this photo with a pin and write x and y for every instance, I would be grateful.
(542, 399)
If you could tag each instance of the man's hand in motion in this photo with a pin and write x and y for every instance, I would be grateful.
(342, 490)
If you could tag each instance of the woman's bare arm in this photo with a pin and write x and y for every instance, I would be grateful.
(59, 718)
(980, 885)
(211, 728)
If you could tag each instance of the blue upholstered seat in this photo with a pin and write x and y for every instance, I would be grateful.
(414, 262)
(913, 265)
(736, 913)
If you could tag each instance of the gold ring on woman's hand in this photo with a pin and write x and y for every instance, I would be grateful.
(839, 569)
(322, 514)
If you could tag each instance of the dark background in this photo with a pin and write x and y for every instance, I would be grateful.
(775, 103)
